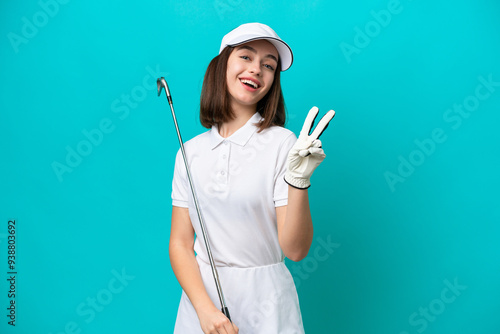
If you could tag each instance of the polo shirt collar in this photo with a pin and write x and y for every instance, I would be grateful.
(240, 137)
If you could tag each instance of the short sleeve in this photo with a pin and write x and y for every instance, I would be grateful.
(280, 186)
(180, 183)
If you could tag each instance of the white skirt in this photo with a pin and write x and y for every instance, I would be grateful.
(261, 300)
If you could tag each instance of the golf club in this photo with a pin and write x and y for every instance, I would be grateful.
(161, 82)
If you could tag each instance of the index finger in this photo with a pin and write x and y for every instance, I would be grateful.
(311, 116)
(322, 125)
(228, 328)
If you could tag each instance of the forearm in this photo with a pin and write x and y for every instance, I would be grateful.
(188, 274)
(297, 232)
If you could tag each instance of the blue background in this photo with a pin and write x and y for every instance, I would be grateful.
(395, 223)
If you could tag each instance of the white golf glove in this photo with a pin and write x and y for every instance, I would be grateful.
(306, 154)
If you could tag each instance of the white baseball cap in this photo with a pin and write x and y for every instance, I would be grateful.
(253, 31)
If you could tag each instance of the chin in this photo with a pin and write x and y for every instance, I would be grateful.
(247, 102)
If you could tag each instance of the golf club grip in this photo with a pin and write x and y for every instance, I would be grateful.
(226, 313)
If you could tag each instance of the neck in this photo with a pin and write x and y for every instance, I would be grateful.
(241, 115)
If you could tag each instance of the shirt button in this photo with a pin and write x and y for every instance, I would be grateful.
(224, 156)
(225, 142)
(222, 173)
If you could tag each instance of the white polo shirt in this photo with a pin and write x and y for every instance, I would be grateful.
(239, 183)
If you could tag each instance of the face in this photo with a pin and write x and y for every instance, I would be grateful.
(250, 72)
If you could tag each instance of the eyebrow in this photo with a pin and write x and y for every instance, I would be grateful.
(255, 51)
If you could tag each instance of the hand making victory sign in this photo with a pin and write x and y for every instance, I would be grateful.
(307, 154)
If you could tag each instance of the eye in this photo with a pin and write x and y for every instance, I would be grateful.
(269, 67)
(245, 57)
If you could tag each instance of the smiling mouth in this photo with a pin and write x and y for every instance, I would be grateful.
(250, 83)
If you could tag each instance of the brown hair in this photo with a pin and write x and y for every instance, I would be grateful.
(215, 107)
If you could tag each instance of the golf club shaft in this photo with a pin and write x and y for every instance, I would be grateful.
(161, 82)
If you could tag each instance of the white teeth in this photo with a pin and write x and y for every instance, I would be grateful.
(249, 82)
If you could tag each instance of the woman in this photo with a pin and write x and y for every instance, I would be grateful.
(251, 176)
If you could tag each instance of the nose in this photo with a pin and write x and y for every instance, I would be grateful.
(255, 68)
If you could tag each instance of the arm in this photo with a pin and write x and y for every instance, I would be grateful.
(185, 267)
(295, 228)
